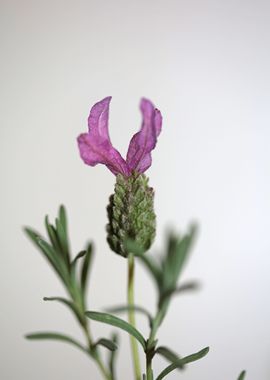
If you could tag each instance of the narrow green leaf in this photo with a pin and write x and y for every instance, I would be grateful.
(47, 250)
(152, 266)
(63, 218)
(242, 375)
(52, 235)
(57, 259)
(124, 308)
(63, 240)
(56, 336)
(110, 319)
(69, 304)
(78, 256)
(86, 267)
(178, 250)
(181, 362)
(188, 286)
(112, 356)
(169, 355)
(109, 344)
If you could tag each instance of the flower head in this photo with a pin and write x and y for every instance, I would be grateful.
(96, 147)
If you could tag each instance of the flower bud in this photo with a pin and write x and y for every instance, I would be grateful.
(131, 213)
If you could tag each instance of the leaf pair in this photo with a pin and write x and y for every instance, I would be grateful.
(168, 354)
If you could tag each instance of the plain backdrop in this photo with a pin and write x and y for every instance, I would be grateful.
(205, 65)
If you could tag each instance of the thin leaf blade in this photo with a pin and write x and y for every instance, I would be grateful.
(107, 343)
(112, 357)
(48, 335)
(86, 266)
(188, 359)
(63, 240)
(110, 319)
(242, 375)
(168, 354)
(63, 218)
(52, 235)
(69, 304)
(47, 251)
(78, 256)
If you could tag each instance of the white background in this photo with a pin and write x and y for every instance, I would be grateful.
(205, 64)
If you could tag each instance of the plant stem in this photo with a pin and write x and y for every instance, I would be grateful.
(150, 351)
(149, 371)
(131, 317)
(94, 353)
(79, 301)
(154, 329)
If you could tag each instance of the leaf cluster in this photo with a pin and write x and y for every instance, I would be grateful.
(74, 274)
(56, 250)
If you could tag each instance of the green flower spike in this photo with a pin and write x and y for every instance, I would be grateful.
(131, 213)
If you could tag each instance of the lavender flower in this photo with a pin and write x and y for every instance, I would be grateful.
(96, 147)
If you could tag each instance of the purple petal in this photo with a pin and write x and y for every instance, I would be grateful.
(95, 146)
(142, 143)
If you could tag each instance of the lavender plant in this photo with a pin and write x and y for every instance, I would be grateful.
(131, 231)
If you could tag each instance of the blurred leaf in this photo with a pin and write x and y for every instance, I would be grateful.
(63, 240)
(152, 266)
(242, 375)
(52, 235)
(63, 218)
(188, 286)
(69, 304)
(60, 264)
(109, 344)
(123, 308)
(78, 256)
(56, 336)
(86, 267)
(173, 263)
(48, 252)
(112, 357)
(181, 362)
(169, 355)
(117, 322)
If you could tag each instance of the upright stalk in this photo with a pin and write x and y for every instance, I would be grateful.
(131, 317)
(150, 350)
(95, 354)
(149, 371)
(79, 301)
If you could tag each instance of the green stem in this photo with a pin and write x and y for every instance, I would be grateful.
(94, 353)
(150, 351)
(79, 301)
(149, 371)
(155, 326)
(131, 317)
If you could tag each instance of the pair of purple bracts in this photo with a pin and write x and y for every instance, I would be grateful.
(96, 147)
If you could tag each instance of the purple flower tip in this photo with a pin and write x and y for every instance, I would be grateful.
(96, 147)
